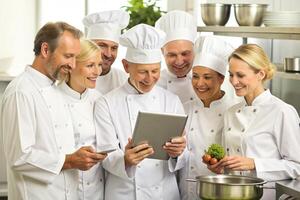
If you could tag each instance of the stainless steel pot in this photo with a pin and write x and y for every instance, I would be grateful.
(292, 64)
(229, 187)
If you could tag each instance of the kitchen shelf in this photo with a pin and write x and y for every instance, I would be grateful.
(6, 77)
(288, 33)
(286, 75)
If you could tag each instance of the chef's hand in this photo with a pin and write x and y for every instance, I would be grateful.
(216, 168)
(83, 159)
(237, 163)
(175, 147)
(134, 155)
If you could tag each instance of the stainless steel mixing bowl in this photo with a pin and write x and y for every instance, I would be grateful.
(215, 14)
(249, 14)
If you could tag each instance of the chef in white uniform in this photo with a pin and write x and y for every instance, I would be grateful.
(262, 133)
(104, 28)
(205, 122)
(131, 175)
(80, 96)
(35, 123)
(181, 32)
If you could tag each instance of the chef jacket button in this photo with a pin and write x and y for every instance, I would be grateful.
(101, 180)
(227, 149)
(169, 81)
(88, 183)
(239, 111)
(191, 98)
(220, 115)
(243, 130)
(156, 187)
(192, 168)
(190, 148)
(138, 188)
(79, 124)
(139, 166)
(238, 150)
(82, 143)
(192, 129)
(156, 164)
(153, 97)
(196, 111)
(229, 129)
(212, 130)
(60, 147)
(254, 110)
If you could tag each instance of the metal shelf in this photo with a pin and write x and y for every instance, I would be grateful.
(288, 33)
(6, 77)
(286, 75)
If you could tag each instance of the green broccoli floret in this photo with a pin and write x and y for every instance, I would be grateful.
(216, 151)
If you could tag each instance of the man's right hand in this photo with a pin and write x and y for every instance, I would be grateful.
(83, 159)
(134, 155)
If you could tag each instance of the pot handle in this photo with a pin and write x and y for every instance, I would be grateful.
(191, 180)
(265, 187)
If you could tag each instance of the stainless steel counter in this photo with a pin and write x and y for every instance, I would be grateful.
(289, 187)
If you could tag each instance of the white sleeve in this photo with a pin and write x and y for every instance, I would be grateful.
(106, 138)
(23, 154)
(287, 138)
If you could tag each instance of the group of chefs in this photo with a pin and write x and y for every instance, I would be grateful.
(68, 119)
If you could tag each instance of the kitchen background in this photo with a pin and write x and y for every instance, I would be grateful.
(19, 21)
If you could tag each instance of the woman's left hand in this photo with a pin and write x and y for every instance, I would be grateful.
(237, 163)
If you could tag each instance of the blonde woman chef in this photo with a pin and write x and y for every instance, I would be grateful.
(80, 96)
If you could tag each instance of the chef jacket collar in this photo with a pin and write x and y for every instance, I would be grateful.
(215, 103)
(262, 98)
(173, 76)
(72, 93)
(41, 79)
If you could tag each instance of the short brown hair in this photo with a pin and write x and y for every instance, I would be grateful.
(51, 32)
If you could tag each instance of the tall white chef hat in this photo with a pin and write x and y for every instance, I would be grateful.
(212, 52)
(178, 25)
(106, 25)
(143, 44)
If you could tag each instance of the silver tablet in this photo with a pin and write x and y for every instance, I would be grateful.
(157, 129)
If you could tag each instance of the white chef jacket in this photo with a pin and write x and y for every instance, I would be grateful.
(267, 131)
(182, 87)
(113, 79)
(37, 134)
(81, 107)
(116, 114)
(204, 127)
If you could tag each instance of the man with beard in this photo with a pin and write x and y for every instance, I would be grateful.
(181, 31)
(104, 28)
(36, 125)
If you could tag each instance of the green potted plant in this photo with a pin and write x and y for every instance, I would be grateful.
(141, 11)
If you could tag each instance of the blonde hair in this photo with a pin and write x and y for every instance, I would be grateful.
(256, 58)
(87, 49)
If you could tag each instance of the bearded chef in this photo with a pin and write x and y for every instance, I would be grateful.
(104, 28)
(206, 112)
(36, 126)
(261, 134)
(131, 175)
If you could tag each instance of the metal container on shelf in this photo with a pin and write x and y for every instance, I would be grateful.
(292, 64)
(215, 14)
(249, 14)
